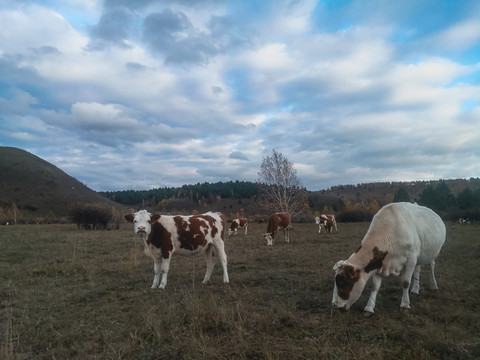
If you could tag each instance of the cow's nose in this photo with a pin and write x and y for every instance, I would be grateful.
(336, 306)
(141, 229)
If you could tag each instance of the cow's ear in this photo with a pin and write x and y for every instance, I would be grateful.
(155, 217)
(128, 217)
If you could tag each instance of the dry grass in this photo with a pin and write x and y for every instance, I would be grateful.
(70, 294)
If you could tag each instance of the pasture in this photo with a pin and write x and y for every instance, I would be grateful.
(71, 294)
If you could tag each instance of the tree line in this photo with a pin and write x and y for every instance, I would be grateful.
(231, 189)
(441, 200)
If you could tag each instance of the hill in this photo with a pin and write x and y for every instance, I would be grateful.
(38, 188)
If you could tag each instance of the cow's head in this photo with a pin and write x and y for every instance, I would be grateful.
(317, 220)
(348, 286)
(142, 221)
(269, 238)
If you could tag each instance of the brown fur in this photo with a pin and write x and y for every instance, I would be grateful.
(377, 260)
(276, 220)
(345, 281)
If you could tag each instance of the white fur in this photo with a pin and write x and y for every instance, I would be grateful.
(412, 235)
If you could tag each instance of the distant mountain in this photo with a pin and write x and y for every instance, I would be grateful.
(38, 188)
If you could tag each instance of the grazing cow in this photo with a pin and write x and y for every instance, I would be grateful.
(401, 238)
(184, 235)
(240, 223)
(327, 221)
(278, 221)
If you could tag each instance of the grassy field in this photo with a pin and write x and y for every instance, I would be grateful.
(70, 294)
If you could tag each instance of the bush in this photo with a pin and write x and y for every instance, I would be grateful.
(90, 216)
(354, 216)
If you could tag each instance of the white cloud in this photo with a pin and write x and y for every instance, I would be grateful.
(336, 89)
(461, 35)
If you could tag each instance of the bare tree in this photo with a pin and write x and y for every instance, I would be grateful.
(279, 188)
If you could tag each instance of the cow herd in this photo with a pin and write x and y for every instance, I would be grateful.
(401, 238)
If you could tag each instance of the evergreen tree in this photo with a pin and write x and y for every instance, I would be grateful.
(401, 195)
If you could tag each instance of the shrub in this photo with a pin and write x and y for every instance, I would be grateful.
(90, 216)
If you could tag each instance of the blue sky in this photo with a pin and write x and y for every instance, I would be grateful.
(142, 94)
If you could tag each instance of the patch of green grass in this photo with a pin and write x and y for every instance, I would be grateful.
(66, 294)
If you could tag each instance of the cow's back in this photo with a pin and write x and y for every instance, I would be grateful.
(410, 228)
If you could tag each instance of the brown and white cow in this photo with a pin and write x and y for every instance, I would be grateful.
(279, 221)
(327, 221)
(241, 223)
(401, 238)
(164, 236)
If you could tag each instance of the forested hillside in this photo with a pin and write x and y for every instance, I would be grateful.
(451, 198)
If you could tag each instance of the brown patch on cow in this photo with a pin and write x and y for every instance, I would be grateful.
(377, 260)
(190, 232)
(345, 281)
(234, 225)
(128, 217)
(358, 249)
(406, 284)
(161, 239)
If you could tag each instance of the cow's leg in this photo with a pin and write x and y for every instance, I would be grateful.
(210, 263)
(416, 280)
(433, 282)
(286, 233)
(246, 229)
(156, 269)
(164, 270)
(376, 282)
(319, 228)
(406, 277)
(220, 247)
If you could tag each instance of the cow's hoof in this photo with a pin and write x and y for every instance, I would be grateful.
(367, 314)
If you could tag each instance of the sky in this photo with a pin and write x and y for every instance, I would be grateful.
(144, 94)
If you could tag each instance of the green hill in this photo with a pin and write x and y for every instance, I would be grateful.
(39, 189)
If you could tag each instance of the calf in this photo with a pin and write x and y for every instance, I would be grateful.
(278, 221)
(164, 236)
(240, 223)
(327, 221)
(401, 238)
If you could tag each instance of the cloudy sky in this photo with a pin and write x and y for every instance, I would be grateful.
(140, 94)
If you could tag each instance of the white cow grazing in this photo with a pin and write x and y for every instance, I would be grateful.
(241, 223)
(401, 238)
(327, 221)
(164, 236)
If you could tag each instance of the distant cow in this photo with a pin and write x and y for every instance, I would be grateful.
(401, 238)
(241, 223)
(164, 236)
(278, 221)
(327, 221)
